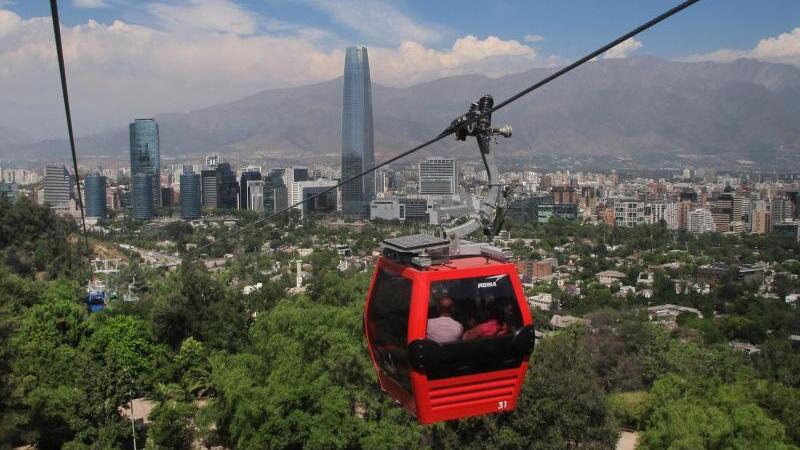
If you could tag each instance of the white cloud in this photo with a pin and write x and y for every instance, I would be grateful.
(118, 71)
(412, 62)
(379, 21)
(784, 48)
(89, 3)
(204, 15)
(532, 38)
(623, 49)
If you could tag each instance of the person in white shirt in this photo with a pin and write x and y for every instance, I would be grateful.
(444, 328)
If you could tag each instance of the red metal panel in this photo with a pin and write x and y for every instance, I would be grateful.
(467, 396)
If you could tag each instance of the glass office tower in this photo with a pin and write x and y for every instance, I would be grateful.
(246, 177)
(95, 194)
(146, 159)
(358, 151)
(190, 194)
(142, 196)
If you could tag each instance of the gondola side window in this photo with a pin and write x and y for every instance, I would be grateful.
(387, 320)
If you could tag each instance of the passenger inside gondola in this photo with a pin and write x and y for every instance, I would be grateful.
(444, 328)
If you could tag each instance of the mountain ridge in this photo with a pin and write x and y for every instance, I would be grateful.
(640, 107)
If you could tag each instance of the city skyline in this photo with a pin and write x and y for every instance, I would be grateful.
(411, 43)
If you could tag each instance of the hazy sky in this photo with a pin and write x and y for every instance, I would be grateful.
(134, 58)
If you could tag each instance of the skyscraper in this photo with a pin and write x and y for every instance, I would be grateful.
(145, 159)
(209, 187)
(247, 176)
(57, 185)
(95, 193)
(437, 176)
(255, 195)
(227, 187)
(142, 196)
(274, 193)
(190, 194)
(358, 153)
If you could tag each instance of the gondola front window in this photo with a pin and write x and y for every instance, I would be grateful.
(474, 320)
(387, 320)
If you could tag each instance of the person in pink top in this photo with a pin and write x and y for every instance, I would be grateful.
(444, 329)
(495, 326)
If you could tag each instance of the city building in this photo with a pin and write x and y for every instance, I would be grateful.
(565, 211)
(790, 229)
(208, 180)
(143, 205)
(145, 159)
(760, 221)
(9, 191)
(255, 195)
(629, 212)
(244, 179)
(288, 176)
(227, 187)
(700, 221)
(191, 195)
(303, 191)
(565, 195)
(437, 176)
(275, 193)
(358, 153)
(57, 185)
(400, 208)
(95, 195)
(167, 196)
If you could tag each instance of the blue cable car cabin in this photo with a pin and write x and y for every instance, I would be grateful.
(95, 301)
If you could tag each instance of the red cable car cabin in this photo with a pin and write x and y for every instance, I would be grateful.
(450, 336)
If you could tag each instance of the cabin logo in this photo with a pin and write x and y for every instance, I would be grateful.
(493, 283)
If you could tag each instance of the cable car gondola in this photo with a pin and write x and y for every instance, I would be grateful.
(450, 336)
(447, 322)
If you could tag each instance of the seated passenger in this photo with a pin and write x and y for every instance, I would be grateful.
(444, 329)
(495, 326)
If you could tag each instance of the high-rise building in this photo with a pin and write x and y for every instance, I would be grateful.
(700, 221)
(358, 153)
(227, 187)
(190, 194)
(57, 185)
(209, 188)
(9, 191)
(629, 212)
(145, 159)
(289, 175)
(275, 193)
(244, 179)
(143, 207)
(438, 176)
(255, 195)
(565, 195)
(95, 194)
(304, 190)
(167, 196)
(780, 210)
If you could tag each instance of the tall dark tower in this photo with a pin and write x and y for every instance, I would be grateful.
(358, 152)
(145, 160)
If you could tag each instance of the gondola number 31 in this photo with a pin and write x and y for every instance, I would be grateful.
(502, 405)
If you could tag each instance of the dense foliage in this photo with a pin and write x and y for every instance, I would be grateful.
(277, 370)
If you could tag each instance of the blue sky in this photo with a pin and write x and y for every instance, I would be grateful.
(138, 58)
(568, 28)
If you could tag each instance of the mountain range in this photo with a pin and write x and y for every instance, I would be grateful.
(644, 108)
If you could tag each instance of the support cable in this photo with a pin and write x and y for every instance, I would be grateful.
(60, 52)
